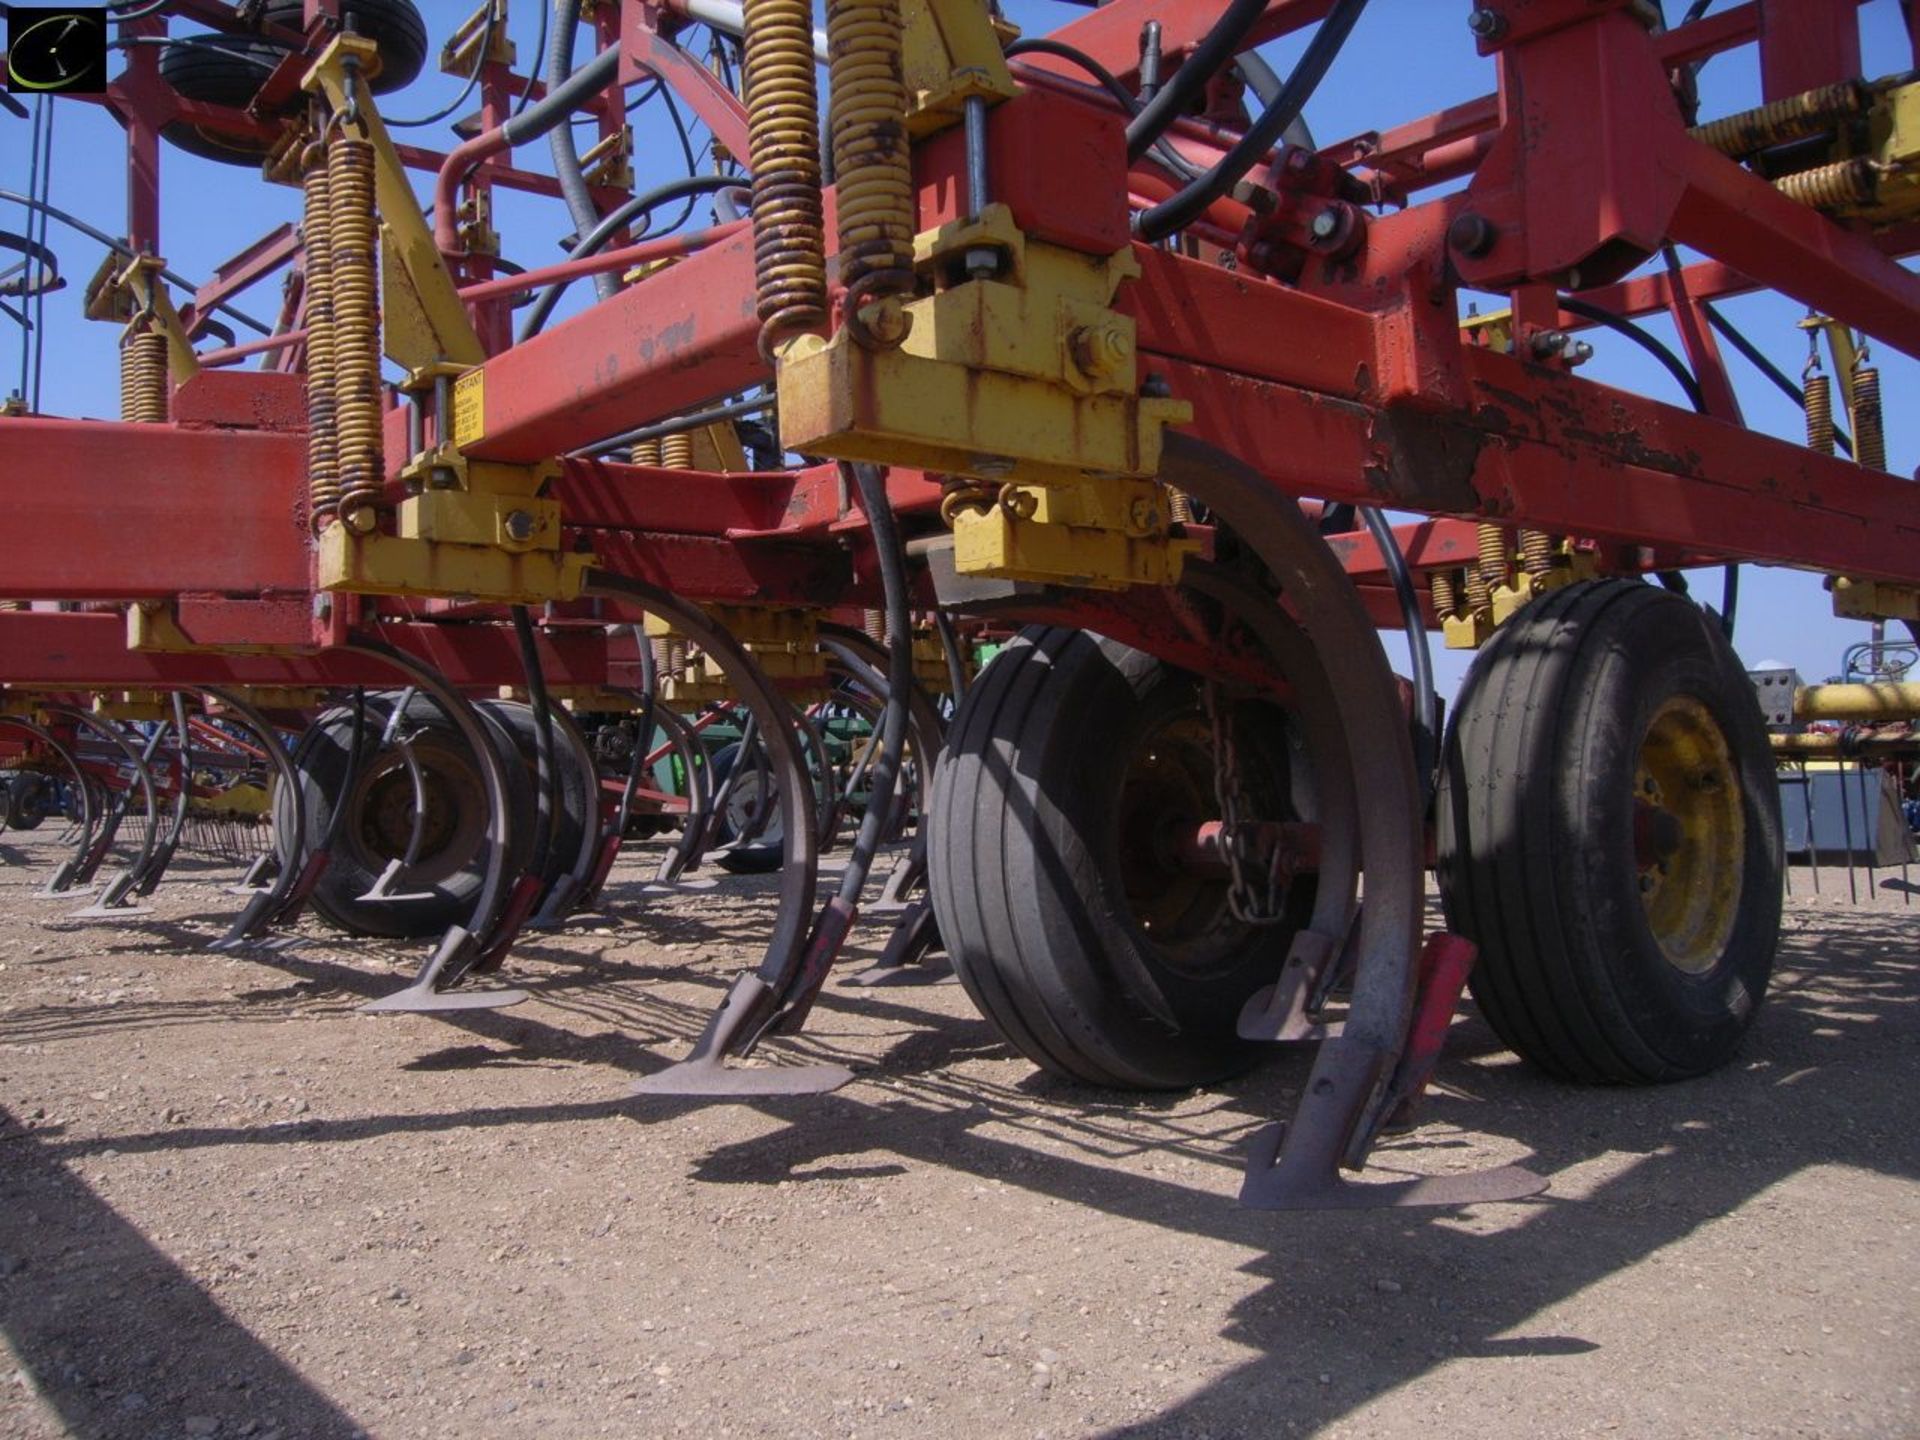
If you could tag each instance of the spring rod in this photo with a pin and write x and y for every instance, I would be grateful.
(1869, 425)
(147, 350)
(1794, 118)
(871, 162)
(789, 231)
(1493, 557)
(1536, 551)
(1829, 187)
(676, 451)
(323, 436)
(356, 328)
(1819, 403)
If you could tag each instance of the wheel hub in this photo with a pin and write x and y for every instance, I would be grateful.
(1689, 834)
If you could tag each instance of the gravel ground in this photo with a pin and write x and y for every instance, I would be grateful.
(232, 1206)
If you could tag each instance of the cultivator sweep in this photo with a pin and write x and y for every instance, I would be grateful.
(1000, 478)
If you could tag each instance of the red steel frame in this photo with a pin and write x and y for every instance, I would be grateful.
(1351, 383)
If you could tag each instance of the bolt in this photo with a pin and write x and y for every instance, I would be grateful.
(1325, 224)
(519, 526)
(1099, 350)
(982, 262)
(1550, 342)
(1579, 352)
(1472, 235)
(1487, 24)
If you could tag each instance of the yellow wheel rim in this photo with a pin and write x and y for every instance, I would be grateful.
(1689, 834)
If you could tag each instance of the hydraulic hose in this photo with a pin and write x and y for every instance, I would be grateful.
(545, 771)
(1260, 79)
(1158, 221)
(529, 124)
(566, 159)
(1179, 94)
(649, 699)
(1426, 700)
(609, 225)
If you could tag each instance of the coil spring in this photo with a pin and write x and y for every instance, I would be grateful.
(1828, 187)
(874, 622)
(143, 384)
(677, 658)
(1869, 428)
(323, 436)
(1446, 594)
(1493, 556)
(872, 167)
(1179, 506)
(957, 495)
(663, 657)
(1819, 402)
(646, 452)
(129, 384)
(1536, 551)
(789, 231)
(1793, 118)
(676, 451)
(356, 328)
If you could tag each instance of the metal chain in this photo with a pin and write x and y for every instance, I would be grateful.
(1247, 906)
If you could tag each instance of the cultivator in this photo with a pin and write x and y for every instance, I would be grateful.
(1076, 351)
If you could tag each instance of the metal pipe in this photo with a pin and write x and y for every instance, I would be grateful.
(1880, 700)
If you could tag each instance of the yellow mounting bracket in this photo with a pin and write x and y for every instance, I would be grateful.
(1027, 375)
(1874, 600)
(784, 642)
(1015, 368)
(121, 289)
(951, 51)
(422, 319)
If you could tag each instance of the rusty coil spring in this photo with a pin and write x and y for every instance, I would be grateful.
(323, 436)
(958, 494)
(1794, 118)
(646, 452)
(1828, 187)
(356, 328)
(789, 231)
(676, 451)
(1446, 594)
(1493, 556)
(1536, 551)
(129, 381)
(1869, 426)
(145, 357)
(1179, 506)
(1819, 403)
(873, 171)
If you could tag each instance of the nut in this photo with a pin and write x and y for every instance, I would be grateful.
(982, 262)
(1099, 350)
(1487, 24)
(519, 526)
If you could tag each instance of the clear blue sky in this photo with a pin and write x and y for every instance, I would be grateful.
(1405, 59)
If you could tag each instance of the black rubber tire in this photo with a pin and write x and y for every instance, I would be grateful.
(577, 792)
(1023, 865)
(25, 808)
(766, 851)
(224, 70)
(453, 877)
(394, 25)
(1536, 836)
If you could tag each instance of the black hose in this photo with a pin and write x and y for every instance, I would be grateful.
(1178, 95)
(649, 698)
(680, 424)
(120, 247)
(545, 771)
(1645, 340)
(1426, 700)
(609, 225)
(566, 159)
(1766, 367)
(539, 48)
(1041, 45)
(1158, 221)
(1260, 79)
